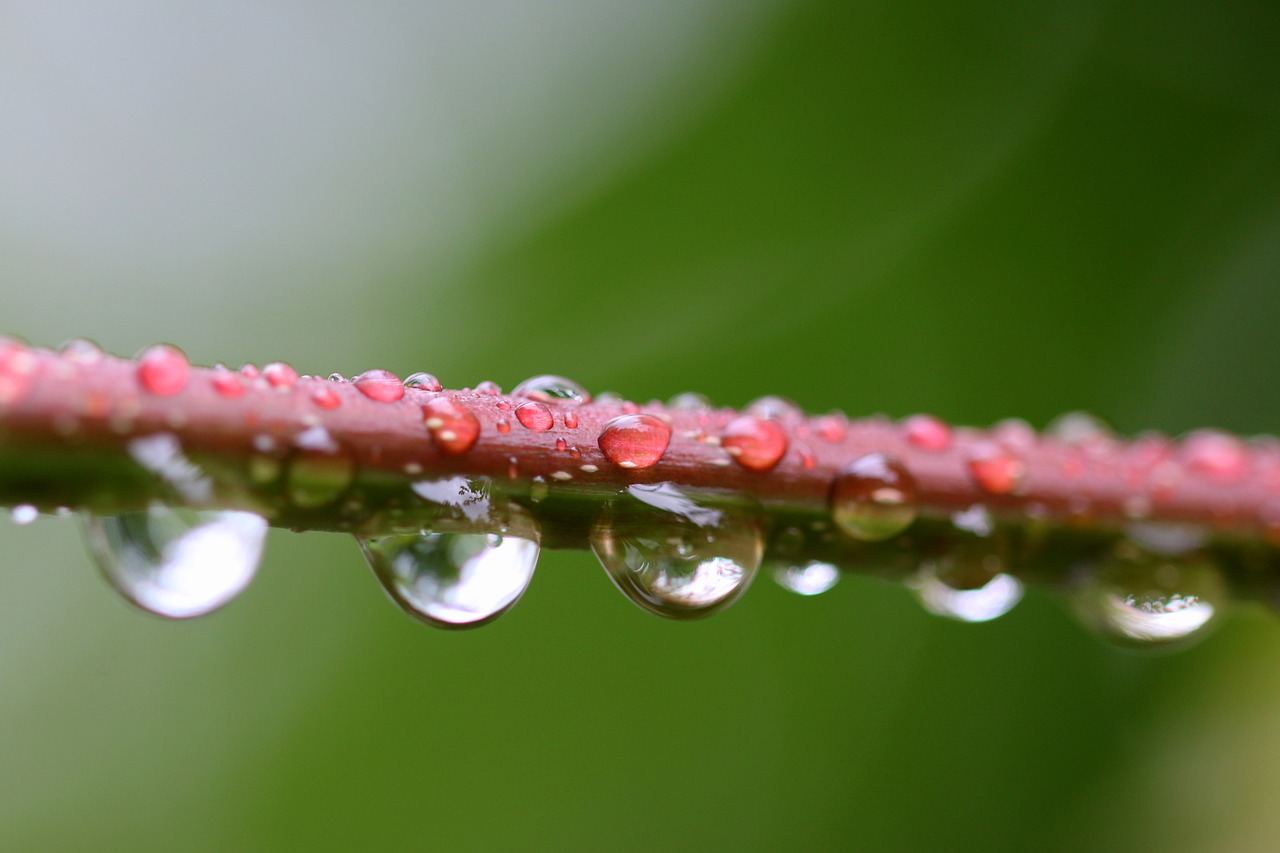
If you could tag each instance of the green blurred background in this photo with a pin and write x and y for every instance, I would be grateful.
(977, 210)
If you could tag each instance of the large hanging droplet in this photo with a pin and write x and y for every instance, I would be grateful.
(552, 389)
(874, 498)
(177, 563)
(676, 554)
(457, 575)
(1146, 600)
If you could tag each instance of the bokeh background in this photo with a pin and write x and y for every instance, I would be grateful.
(977, 210)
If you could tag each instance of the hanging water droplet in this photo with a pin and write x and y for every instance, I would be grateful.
(423, 382)
(676, 554)
(534, 416)
(552, 389)
(457, 576)
(382, 386)
(757, 444)
(811, 578)
(951, 590)
(174, 562)
(24, 514)
(163, 370)
(1146, 600)
(634, 441)
(874, 498)
(452, 426)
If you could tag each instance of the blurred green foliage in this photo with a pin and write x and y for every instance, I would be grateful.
(980, 211)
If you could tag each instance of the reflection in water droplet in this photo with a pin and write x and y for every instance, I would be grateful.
(1151, 601)
(673, 553)
(812, 578)
(634, 441)
(992, 599)
(458, 575)
(24, 514)
(452, 426)
(382, 386)
(177, 563)
(757, 444)
(423, 382)
(552, 389)
(874, 498)
(534, 416)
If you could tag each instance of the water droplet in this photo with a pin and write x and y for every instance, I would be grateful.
(927, 433)
(17, 365)
(1148, 601)
(382, 386)
(489, 389)
(1167, 538)
(319, 472)
(503, 426)
(457, 576)
(326, 398)
(250, 371)
(757, 444)
(177, 563)
(831, 427)
(424, 382)
(874, 498)
(634, 441)
(279, 375)
(976, 520)
(689, 401)
(812, 578)
(534, 416)
(81, 351)
(226, 383)
(996, 469)
(163, 370)
(774, 407)
(337, 377)
(1015, 434)
(1216, 456)
(1079, 429)
(452, 426)
(552, 389)
(570, 420)
(966, 592)
(675, 554)
(24, 514)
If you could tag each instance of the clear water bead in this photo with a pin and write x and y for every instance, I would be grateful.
(457, 575)
(552, 389)
(1144, 600)
(174, 562)
(674, 553)
(811, 578)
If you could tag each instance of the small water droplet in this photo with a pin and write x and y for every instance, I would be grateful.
(163, 370)
(174, 562)
(552, 389)
(460, 575)
(250, 371)
(1148, 601)
(226, 383)
(24, 514)
(452, 426)
(489, 389)
(757, 444)
(811, 578)
(17, 365)
(337, 377)
(927, 433)
(279, 375)
(996, 469)
(503, 426)
(570, 420)
(1216, 456)
(1079, 429)
(689, 401)
(81, 351)
(382, 386)
(634, 441)
(831, 427)
(1015, 434)
(539, 489)
(674, 554)
(424, 382)
(534, 416)
(326, 398)
(874, 498)
(775, 408)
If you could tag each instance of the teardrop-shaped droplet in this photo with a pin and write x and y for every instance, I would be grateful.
(457, 575)
(634, 441)
(175, 562)
(874, 498)
(674, 553)
(811, 578)
(552, 389)
(1146, 600)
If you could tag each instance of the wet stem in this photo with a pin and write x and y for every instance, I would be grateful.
(917, 500)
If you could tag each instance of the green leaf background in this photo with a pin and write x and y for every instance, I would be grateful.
(977, 210)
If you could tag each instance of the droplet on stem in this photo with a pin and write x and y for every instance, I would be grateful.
(757, 444)
(874, 498)
(382, 386)
(634, 441)
(163, 370)
(552, 389)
